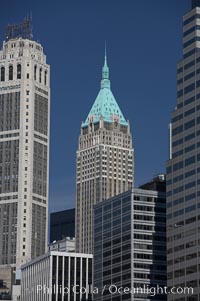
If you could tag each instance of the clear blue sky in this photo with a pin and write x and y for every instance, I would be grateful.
(144, 43)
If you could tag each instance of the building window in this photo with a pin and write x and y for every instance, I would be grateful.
(40, 77)
(45, 78)
(2, 74)
(27, 75)
(10, 77)
(19, 71)
(35, 72)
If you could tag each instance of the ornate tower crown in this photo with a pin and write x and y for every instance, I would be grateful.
(105, 105)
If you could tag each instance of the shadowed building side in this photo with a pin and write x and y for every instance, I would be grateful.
(62, 224)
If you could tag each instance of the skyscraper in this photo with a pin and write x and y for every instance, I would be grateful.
(24, 146)
(130, 245)
(183, 167)
(104, 160)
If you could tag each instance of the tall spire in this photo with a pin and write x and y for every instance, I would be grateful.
(105, 56)
(105, 83)
(105, 105)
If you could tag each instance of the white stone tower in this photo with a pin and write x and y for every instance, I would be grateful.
(24, 147)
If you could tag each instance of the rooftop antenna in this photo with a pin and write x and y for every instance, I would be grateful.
(22, 30)
(31, 19)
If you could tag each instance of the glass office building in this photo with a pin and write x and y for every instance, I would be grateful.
(130, 245)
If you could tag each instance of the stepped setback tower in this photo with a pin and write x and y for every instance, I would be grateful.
(183, 167)
(105, 157)
(24, 146)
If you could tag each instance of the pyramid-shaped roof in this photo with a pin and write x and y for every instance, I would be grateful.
(105, 104)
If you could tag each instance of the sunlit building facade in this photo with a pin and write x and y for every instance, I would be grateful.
(105, 157)
(24, 147)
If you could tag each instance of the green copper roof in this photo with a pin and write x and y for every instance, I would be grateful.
(105, 104)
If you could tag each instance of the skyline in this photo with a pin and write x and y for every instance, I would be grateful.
(128, 78)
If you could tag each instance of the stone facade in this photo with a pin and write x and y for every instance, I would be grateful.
(105, 160)
(24, 150)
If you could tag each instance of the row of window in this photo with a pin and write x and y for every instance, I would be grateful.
(182, 272)
(154, 238)
(186, 150)
(176, 202)
(186, 210)
(191, 52)
(186, 114)
(40, 75)
(181, 164)
(19, 74)
(194, 39)
(155, 257)
(188, 65)
(183, 187)
(186, 126)
(186, 138)
(152, 218)
(10, 73)
(188, 89)
(189, 31)
(188, 101)
(183, 234)
(183, 222)
(183, 176)
(181, 247)
(149, 228)
(188, 76)
(21, 45)
(189, 20)
(150, 209)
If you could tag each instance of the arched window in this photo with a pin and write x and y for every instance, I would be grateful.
(40, 76)
(45, 77)
(19, 71)
(2, 74)
(10, 77)
(35, 72)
